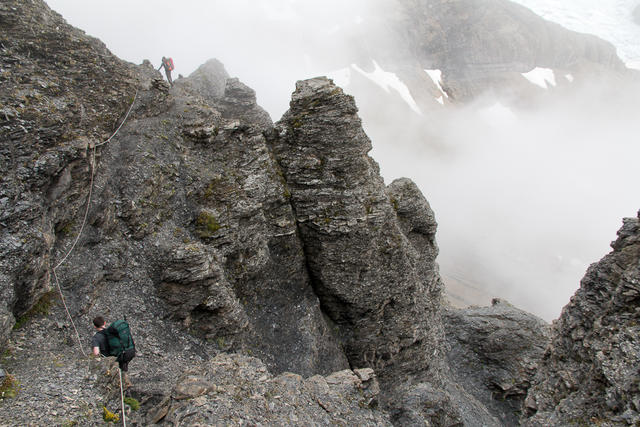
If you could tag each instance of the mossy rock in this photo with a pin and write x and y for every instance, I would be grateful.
(133, 403)
(109, 416)
(207, 225)
(9, 387)
(42, 307)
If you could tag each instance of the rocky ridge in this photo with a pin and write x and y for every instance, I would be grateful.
(589, 373)
(482, 48)
(241, 251)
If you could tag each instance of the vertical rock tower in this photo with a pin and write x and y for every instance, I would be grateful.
(379, 287)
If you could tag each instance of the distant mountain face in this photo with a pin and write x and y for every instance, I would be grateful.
(477, 46)
(611, 20)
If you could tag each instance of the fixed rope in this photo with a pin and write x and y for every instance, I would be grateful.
(124, 421)
(123, 120)
(92, 164)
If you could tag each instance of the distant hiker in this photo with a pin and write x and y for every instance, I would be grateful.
(167, 63)
(100, 342)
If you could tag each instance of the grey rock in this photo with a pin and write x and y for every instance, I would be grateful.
(45, 116)
(214, 232)
(234, 99)
(493, 354)
(636, 14)
(240, 390)
(240, 102)
(485, 45)
(386, 304)
(210, 80)
(590, 371)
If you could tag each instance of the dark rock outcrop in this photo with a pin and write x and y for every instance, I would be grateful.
(493, 353)
(590, 374)
(230, 96)
(188, 219)
(381, 302)
(51, 109)
(386, 306)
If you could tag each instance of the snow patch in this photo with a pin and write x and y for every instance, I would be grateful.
(610, 20)
(436, 77)
(388, 81)
(569, 77)
(542, 77)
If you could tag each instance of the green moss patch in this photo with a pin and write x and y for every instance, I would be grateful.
(207, 225)
(133, 403)
(42, 307)
(9, 387)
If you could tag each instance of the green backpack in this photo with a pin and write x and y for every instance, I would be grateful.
(121, 342)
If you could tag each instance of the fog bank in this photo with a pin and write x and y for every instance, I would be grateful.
(525, 200)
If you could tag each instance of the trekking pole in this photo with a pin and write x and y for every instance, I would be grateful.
(124, 421)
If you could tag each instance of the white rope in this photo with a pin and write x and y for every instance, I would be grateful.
(69, 314)
(86, 211)
(123, 120)
(124, 421)
(92, 163)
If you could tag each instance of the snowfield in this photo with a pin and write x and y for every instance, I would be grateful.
(608, 19)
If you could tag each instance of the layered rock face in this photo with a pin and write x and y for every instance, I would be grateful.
(188, 217)
(193, 232)
(481, 48)
(589, 375)
(381, 290)
(493, 353)
(51, 109)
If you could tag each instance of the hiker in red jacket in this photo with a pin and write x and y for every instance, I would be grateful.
(167, 63)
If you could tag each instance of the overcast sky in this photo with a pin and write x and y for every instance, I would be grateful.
(255, 39)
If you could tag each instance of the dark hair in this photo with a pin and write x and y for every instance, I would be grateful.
(98, 322)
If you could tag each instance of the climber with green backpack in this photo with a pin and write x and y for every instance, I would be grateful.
(114, 340)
